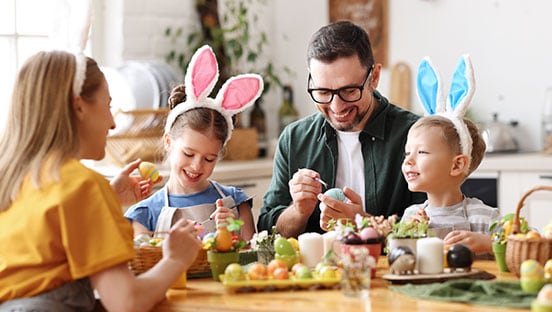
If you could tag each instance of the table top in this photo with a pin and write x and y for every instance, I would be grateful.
(207, 295)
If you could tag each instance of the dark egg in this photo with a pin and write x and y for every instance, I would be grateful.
(459, 256)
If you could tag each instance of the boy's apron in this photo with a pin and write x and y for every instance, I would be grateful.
(200, 213)
(443, 229)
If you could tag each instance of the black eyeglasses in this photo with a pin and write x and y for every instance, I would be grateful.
(347, 93)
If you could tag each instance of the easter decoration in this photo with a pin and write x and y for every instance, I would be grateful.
(223, 246)
(532, 276)
(336, 193)
(148, 170)
(285, 251)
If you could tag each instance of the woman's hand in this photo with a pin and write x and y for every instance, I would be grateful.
(132, 189)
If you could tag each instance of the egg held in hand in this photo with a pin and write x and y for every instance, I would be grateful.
(336, 193)
(148, 170)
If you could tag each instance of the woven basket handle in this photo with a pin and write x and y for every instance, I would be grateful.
(521, 203)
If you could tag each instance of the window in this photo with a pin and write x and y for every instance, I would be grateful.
(26, 27)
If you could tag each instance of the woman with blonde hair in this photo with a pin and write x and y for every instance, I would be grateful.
(63, 231)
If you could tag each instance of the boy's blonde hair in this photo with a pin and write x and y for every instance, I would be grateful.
(451, 138)
(40, 133)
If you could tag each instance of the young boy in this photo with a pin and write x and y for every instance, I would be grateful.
(434, 164)
(442, 150)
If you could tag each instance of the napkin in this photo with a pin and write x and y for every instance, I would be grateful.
(492, 293)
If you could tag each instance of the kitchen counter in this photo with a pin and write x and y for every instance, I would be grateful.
(516, 162)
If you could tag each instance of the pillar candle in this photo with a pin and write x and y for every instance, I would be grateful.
(429, 255)
(311, 246)
(329, 239)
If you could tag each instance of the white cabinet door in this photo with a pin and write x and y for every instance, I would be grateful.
(538, 206)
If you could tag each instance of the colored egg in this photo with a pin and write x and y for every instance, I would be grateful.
(336, 193)
(532, 285)
(531, 269)
(545, 295)
(148, 171)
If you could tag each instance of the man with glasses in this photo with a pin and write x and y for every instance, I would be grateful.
(355, 142)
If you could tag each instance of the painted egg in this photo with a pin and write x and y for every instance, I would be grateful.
(545, 295)
(531, 269)
(148, 171)
(368, 233)
(336, 193)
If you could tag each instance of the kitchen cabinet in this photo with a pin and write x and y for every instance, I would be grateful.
(516, 174)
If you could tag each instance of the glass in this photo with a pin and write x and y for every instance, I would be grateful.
(347, 93)
(356, 272)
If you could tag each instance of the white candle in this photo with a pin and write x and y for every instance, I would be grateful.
(429, 255)
(311, 246)
(329, 239)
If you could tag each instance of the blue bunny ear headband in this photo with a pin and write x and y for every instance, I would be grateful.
(430, 94)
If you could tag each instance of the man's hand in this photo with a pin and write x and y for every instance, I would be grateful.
(304, 188)
(331, 208)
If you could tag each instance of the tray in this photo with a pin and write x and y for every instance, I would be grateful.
(441, 277)
(274, 284)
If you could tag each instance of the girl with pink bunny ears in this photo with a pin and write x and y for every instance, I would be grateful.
(441, 150)
(197, 129)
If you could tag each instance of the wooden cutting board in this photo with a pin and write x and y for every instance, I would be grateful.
(400, 85)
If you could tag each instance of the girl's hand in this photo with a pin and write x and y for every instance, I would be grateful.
(222, 213)
(132, 189)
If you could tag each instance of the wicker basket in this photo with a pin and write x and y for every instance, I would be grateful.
(146, 257)
(138, 134)
(520, 249)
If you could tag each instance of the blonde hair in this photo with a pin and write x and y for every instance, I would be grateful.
(452, 139)
(40, 133)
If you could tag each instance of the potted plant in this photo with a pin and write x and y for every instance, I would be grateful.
(222, 246)
(230, 33)
(500, 230)
(368, 232)
(407, 232)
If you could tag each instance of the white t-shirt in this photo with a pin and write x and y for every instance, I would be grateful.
(350, 163)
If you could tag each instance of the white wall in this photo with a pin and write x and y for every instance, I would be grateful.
(507, 40)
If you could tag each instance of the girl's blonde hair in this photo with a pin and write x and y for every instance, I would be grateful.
(451, 137)
(40, 133)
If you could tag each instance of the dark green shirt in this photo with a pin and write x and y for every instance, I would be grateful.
(312, 143)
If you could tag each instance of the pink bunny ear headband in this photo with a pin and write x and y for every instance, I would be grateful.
(236, 95)
(70, 33)
(454, 108)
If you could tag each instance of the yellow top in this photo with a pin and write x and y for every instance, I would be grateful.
(65, 231)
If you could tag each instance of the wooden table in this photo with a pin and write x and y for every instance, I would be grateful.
(208, 295)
